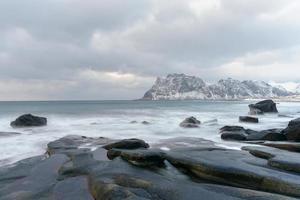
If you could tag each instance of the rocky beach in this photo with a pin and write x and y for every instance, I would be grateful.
(82, 167)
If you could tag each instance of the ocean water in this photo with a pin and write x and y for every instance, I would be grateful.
(112, 119)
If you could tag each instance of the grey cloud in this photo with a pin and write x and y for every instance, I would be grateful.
(51, 41)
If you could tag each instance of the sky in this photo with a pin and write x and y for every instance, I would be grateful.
(115, 49)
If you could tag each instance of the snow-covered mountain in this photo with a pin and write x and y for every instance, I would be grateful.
(181, 86)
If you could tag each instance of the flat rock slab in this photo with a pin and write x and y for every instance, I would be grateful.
(277, 158)
(236, 168)
(73, 142)
(72, 189)
(38, 183)
(188, 172)
(120, 180)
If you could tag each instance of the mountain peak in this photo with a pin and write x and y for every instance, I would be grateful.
(180, 86)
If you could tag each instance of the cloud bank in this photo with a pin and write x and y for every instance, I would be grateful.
(112, 49)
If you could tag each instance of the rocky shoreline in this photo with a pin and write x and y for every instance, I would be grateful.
(80, 167)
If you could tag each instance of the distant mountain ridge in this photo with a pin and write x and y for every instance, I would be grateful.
(182, 87)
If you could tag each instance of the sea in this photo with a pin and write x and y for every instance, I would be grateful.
(113, 119)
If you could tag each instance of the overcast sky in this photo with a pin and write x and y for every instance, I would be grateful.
(114, 49)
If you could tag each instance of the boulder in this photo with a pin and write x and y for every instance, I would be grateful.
(140, 157)
(241, 134)
(235, 133)
(29, 120)
(266, 106)
(268, 135)
(248, 119)
(146, 122)
(292, 132)
(127, 144)
(190, 122)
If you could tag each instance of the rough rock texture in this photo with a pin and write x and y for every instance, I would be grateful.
(248, 119)
(201, 172)
(292, 132)
(190, 122)
(29, 120)
(181, 86)
(266, 106)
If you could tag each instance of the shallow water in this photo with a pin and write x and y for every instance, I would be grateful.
(112, 119)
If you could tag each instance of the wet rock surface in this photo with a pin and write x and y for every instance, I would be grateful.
(127, 144)
(292, 132)
(266, 106)
(78, 168)
(239, 133)
(29, 120)
(190, 122)
(248, 119)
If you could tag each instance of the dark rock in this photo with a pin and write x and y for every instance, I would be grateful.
(139, 157)
(269, 135)
(266, 106)
(289, 146)
(241, 134)
(29, 120)
(127, 144)
(137, 174)
(236, 168)
(277, 158)
(190, 122)
(38, 183)
(73, 142)
(133, 122)
(235, 133)
(248, 119)
(292, 132)
(72, 188)
(145, 123)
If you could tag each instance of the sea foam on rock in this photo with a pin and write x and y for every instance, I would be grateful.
(29, 120)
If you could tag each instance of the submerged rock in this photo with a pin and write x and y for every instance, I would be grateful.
(248, 119)
(8, 134)
(292, 132)
(190, 122)
(266, 106)
(127, 144)
(146, 122)
(29, 120)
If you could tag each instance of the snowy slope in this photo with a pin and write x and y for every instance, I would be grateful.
(181, 86)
